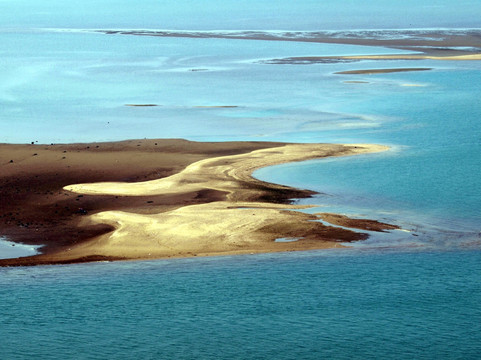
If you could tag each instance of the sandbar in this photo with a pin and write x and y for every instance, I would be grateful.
(151, 199)
(379, 71)
(309, 60)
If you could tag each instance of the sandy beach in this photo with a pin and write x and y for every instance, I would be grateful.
(142, 199)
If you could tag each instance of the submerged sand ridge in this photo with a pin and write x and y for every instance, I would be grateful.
(212, 206)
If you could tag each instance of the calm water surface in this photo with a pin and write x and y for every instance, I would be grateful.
(399, 295)
(326, 304)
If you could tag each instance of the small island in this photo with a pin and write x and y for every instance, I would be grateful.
(151, 199)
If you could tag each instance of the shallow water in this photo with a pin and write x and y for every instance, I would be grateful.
(76, 86)
(10, 249)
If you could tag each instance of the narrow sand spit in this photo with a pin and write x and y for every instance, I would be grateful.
(223, 173)
(379, 71)
(415, 57)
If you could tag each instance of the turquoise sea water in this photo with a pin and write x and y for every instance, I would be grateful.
(313, 305)
(248, 14)
(429, 178)
(398, 295)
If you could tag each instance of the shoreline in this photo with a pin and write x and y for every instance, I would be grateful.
(152, 199)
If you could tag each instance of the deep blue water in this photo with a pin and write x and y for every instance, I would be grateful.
(308, 305)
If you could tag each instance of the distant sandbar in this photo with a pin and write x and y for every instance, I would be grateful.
(380, 71)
